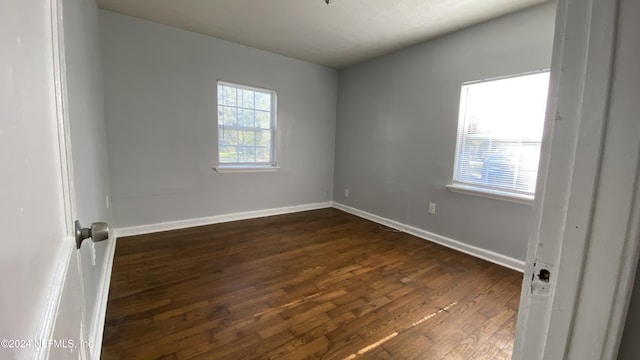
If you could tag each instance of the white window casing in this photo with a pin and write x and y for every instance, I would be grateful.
(246, 118)
(499, 134)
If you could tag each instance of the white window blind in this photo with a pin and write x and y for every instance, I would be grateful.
(499, 133)
(246, 125)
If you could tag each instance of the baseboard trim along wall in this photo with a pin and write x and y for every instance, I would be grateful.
(100, 312)
(181, 224)
(49, 314)
(484, 254)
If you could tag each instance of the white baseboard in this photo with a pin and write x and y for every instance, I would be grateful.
(488, 255)
(100, 311)
(181, 224)
(55, 291)
(484, 254)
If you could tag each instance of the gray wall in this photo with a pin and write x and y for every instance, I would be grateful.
(88, 134)
(397, 121)
(160, 91)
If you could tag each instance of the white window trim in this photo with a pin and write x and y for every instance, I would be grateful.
(477, 190)
(504, 77)
(491, 193)
(250, 167)
(243, 168)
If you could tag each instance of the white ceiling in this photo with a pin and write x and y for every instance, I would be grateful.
(337, 35)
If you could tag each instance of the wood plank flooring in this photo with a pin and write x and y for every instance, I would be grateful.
(320, 284)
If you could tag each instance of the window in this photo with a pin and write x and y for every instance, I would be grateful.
(246, 127)
(499, 133)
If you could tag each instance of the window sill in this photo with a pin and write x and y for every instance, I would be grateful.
(491, 194)
(245, 168)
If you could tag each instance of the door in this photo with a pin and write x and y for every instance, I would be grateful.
(586, 234)
(87, 135)
(42, 298)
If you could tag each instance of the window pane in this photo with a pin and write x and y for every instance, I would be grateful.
(227, 154)
(250, 154)
(499, 132)
(263, 138)
(245, 121)
(227, 137)
(248, 138)
(263, 119)
(247, 99)
(246, 154)
(263, 101)
(246, 118)
(239, 97)
(229, 116)
(228, 95)
(263, 155)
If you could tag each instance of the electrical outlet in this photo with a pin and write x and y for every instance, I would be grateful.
(106, 201)
(346, 192)
(432, 208)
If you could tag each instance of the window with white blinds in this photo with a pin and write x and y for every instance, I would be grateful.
(246, 125)
(499, 133)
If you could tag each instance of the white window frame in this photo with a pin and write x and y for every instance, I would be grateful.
(462, 187)
(249, 166)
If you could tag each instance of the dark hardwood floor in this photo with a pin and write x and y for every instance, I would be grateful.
(313, 285)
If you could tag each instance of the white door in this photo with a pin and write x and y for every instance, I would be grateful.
(87, 135)
(584, 249)
(41, 289)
